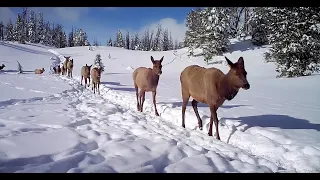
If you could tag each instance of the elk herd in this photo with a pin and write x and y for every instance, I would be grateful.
(205, 85)
(86, 73)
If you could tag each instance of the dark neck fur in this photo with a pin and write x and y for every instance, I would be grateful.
(229, 91)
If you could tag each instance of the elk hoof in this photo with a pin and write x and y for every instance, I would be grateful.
(183, 126)
(157, 114)
(200, 128)
(210, 133)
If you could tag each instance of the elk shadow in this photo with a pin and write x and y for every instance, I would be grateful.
(272, 120)
(179, 104)
(119, 86)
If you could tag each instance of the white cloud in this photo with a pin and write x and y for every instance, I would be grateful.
(177, 29)
(6, 14)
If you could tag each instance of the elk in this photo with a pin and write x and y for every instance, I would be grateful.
(64, 67)
(39, 71)
(146, 79)
(57, 69)
(96, 76)
(212, 87)
(2, 66)
(70, 68)
(85, 73)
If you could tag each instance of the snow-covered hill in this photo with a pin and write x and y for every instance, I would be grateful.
(50, 123)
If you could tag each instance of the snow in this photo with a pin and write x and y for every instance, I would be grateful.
(50, 123)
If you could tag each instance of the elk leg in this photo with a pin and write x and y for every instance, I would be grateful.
(142, 98)
(214, 119)
(195, 108)
(154, 93)
(81, 80)
(85, 82)
(137, 95)
(89, 81)
(185, 99)
(99, 88)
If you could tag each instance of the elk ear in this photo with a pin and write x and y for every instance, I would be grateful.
(241, 61)
(229, 62)
(161, 59)
(86, 64)
(152, 60)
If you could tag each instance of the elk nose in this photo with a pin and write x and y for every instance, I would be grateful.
(160, 72)
(247, 86)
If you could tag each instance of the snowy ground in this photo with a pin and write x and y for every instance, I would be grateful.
(50, 123)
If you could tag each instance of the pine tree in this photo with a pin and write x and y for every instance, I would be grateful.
(98, 62)
(24, 30)
(10, 31)
(95, 42)
(80, 38)
(157, 39)
(48, 37)
(110, 42)
(176, 44)
(64, 42)
(120, 42)
(18, 30)
(165, 42)
(70, 39)
(1, 31)
(137, 43)
(214, 40)
(171, 47)
(41, 30)
(32, 27)
(259, 25)
(195, 28)
(295, 40)
(132, 45)
(127, 40)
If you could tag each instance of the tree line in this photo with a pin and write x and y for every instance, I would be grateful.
(33, 28)
(160, 40)
(293, 34)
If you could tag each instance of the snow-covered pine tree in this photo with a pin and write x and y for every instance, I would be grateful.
(19, 68)
(165, 41)
(98, 62)
(127, 40)
(295, 40)
(259, 25)
(70, 39)
(48, 35)
(120, 41)
(80, 38)
(171, 47)
(215, 37)
(157, 39)
(1, 31)
(137, 43)
(132, 45)
(41, 30)
(18, 30)
(32, 34)
(109, 42)
(176, 45)
(194, 29)
(24, 33)
(95, 42)
(64, 42)
(9, 31)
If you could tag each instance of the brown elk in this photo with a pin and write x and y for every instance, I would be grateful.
(64, 67)
(95, 78)
(146, 79)
(85, 73)
(211, 86)
(70, 67)
(57, 69)
(2, 66)
(39, 71)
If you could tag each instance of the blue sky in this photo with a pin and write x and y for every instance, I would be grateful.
(103, 22)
